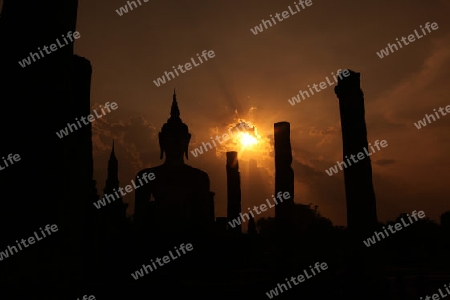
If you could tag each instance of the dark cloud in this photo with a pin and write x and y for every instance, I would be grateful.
(385, 162)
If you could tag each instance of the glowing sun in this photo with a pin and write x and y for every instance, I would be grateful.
(246, 140)
(245, 136)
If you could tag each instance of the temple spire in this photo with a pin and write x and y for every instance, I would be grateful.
(174, 111)
(113, 154)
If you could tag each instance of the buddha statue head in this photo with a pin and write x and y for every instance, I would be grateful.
(174, 137)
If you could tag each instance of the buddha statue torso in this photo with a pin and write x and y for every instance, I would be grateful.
(182, 199)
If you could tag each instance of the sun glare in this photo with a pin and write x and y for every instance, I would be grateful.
(246, 140)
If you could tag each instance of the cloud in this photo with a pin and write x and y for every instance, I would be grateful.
(306, 173)
(327, 134)
(385, 162)
(136, 136)
(416, 87)
(136, 147)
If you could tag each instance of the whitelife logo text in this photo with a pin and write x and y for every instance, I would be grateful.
(65, 132)
(187, 66)
(27, 61)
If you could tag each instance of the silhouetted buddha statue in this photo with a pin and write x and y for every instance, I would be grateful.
(182, 199)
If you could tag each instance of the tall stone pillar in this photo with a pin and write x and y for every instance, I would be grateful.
(360, 195)
(284, 182)
(77, 214)
(284, 175)
(233, 191)
(35, 105)
(363, 263)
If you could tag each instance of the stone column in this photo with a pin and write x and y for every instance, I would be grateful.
(364, 271)
(36, 101)
(284, 182)
(360, 195)
(233, 191)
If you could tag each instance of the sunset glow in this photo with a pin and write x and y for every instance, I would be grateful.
(245, 137)
(246, 140)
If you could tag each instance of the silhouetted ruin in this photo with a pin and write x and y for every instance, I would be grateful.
(234, 192)
(96, 249)
(284, 182)
(115, 212)
(361, 204)
(183, 200)
(360, 195)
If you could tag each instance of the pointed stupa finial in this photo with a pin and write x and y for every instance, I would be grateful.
(113, 155)
(174, 111)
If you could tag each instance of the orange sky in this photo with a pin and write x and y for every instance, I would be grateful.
(256, 75)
